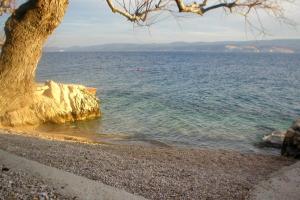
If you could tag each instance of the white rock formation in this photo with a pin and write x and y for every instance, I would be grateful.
(57, 103)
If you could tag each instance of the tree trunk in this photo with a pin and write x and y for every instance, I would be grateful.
(26, 32)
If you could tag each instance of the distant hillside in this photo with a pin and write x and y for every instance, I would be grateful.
(271, 46)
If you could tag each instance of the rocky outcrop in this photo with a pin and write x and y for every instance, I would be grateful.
(291, 143)
(57, 103)
(275, 139)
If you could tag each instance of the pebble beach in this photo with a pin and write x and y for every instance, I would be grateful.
(149, 171)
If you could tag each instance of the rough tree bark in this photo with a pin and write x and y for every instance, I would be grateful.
(26, 32)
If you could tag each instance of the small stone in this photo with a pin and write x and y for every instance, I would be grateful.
(275, 139)
(10, 183)
(43, 196)
(5, 169)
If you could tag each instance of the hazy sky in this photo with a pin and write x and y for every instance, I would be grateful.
(90, 22)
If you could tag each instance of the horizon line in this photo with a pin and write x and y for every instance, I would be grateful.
(173, 42)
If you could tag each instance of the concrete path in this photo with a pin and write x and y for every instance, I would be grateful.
(72, 185)
(283, 185)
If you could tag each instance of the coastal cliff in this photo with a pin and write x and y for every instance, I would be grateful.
(56, 103)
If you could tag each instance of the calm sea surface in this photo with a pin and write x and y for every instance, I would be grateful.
(216, 100)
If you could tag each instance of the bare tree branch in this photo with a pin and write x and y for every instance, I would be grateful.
(142, 8)
(138, 11)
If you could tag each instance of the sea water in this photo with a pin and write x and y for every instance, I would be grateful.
(194, 99)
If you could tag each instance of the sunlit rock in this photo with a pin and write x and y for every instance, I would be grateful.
(57, 103)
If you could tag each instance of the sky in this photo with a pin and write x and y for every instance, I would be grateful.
(90, 22)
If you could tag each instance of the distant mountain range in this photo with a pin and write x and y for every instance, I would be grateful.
(260, 46)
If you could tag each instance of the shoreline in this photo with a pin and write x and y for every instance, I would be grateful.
(84, 137)
(29, 131)
(155, 172)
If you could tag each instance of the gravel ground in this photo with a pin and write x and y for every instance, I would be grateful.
(15, 184)
(153, 172)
